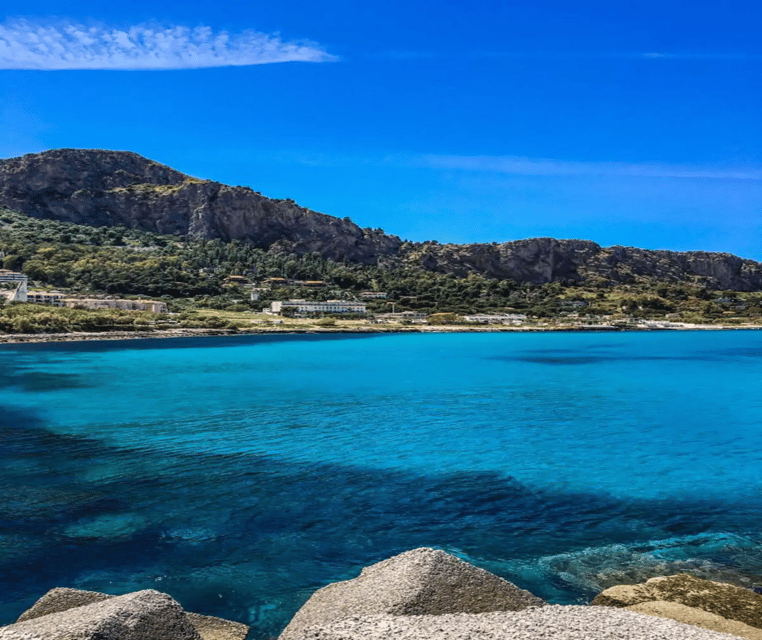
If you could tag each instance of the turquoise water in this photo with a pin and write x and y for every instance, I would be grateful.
(239, 474)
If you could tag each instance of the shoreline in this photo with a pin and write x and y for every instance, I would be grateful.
(42, 338)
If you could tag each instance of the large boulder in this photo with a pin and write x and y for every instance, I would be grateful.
(63, 599)
(418, 582)
(697, 617)
(725, 600)
(144, 615)
(544, 623)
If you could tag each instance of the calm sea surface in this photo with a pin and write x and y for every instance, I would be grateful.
(240, 474)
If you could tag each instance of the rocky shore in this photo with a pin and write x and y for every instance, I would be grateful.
(423, 594)
(81, 336)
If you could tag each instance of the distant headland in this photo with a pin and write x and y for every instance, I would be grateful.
(117, 236)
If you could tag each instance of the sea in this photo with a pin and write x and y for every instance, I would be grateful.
(239, 474)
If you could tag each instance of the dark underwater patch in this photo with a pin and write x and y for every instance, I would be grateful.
(44, 381)
(17, 373)
(196, 342)
(563, 360)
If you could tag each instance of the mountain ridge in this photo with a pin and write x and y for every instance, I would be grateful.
(121, 188)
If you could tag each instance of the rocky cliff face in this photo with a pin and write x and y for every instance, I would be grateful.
(541, 260)
(112, 188)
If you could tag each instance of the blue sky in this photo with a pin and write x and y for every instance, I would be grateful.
(634, 123)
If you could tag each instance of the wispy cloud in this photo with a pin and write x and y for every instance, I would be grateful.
(731, 57)
(547, 167)
(28, 45)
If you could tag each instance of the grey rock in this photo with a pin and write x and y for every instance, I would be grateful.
(546, 623)
(144, 615)
(213, 628)
(62, 599)
(417, 582)
(541, 260)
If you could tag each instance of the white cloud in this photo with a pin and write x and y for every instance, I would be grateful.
(27, 45)
(547, 167)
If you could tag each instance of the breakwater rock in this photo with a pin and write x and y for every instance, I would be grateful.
(418, 595)
(545, 623)
(144, 615)
(417, 582)
(683, 597)
(696, 617)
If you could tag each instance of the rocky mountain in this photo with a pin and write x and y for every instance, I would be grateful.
(540, 260)
(119, 188)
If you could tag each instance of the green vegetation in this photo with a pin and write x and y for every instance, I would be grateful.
(32, 318)
(192, 276)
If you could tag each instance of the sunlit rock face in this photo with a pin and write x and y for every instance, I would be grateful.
(120, 188)
(143, 615)
(725, 600)
(422, 581)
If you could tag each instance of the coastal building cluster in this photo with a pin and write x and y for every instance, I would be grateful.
(496, 318)
(311, 307)
(58, 299)
(400, 316)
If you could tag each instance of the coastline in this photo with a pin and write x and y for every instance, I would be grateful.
(38, 338)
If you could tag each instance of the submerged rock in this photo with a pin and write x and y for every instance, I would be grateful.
(725, 600)
(418, 582)
(62, 599)
(143, 615)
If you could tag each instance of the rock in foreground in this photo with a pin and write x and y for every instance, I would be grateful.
(725, 600)
(418, 582)
(697, 617)
(144, 615)
(545, 623)
(63, 599)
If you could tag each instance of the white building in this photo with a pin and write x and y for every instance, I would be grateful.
(500, 318)
(311, 306)
(51, 298)
(402, 316)
(21, 281)
(256, 293)
(125, 305)
(373, 295)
